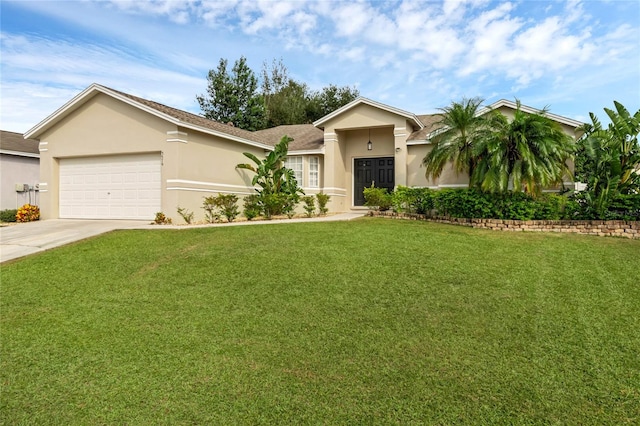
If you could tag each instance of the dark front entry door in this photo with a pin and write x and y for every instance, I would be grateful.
(378, 171)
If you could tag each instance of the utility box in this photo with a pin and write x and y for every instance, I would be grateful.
(22, 187)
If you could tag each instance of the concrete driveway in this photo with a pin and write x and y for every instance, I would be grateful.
(23, 239)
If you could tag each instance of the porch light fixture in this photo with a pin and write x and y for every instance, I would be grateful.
(369, 144)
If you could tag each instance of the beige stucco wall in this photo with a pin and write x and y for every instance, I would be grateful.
(194, 164)
(355, 144)
(101, 126)
(346, 137)
(416, 172)
(206, 165)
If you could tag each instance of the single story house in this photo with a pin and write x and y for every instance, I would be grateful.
(19, 170)
(108, 154)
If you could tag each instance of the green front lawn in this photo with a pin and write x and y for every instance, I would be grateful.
(373, 321)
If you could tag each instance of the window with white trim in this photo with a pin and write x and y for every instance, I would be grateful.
(295, 164)
(314, 172)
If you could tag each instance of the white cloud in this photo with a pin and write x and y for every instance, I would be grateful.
(527, 51)
(351, 19)
(352, 54)
(72, 68)
(178, 11)
(397, 50)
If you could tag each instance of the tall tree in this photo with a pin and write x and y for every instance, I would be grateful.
(329, 99)
(461, 132)
(288, 105)
(274, 79)
(233, 97)
(527, 153)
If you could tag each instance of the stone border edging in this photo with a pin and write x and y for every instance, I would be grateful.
(603, 228)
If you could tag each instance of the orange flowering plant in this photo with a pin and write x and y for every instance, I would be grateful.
(28, 213)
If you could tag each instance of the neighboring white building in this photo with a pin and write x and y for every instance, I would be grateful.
(19, 170)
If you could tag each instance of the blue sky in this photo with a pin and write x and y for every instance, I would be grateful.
(574, 56)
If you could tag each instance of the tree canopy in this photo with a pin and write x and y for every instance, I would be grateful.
(234, 97)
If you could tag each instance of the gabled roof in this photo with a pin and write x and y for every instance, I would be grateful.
(503, 102)
(365, 101)
(306, 137)
(432, 127)
(172, 115)
(430, 123)
(15, 144)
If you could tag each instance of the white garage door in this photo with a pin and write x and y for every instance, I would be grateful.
(114, 187)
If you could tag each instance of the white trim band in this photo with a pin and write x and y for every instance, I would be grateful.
(196, 182)
(180, 188)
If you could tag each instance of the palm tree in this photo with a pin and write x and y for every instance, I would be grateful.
(462, 128)
(526, 154)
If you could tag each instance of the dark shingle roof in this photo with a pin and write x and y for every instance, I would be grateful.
(305, 136)
(11, 141)
(430, 122)
(197, 120)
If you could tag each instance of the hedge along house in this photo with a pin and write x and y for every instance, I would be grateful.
(106, 154)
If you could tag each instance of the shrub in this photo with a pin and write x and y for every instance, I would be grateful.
(309, 205)
(227, 203)
(624, 207)
(580, 206)
(161, 219)
(28, 213)
(400, 200)
(252, 206)
(377, 198)
(8, 215)
(412, 200)
(272, 204)
(211, 214)
(463, 203)
(186, 215)
(472, 203)
(323, 200)
(289, 204)
(550, 207)
(511, 205)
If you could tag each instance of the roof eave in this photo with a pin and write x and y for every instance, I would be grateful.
(19, 153)
(92, 90)
(559, 118)
(222, 134)
(60, 113)
(362, 100)
(504, 102)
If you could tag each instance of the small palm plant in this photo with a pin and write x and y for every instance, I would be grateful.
(278, 189)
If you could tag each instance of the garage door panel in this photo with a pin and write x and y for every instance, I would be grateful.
(114, 187)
